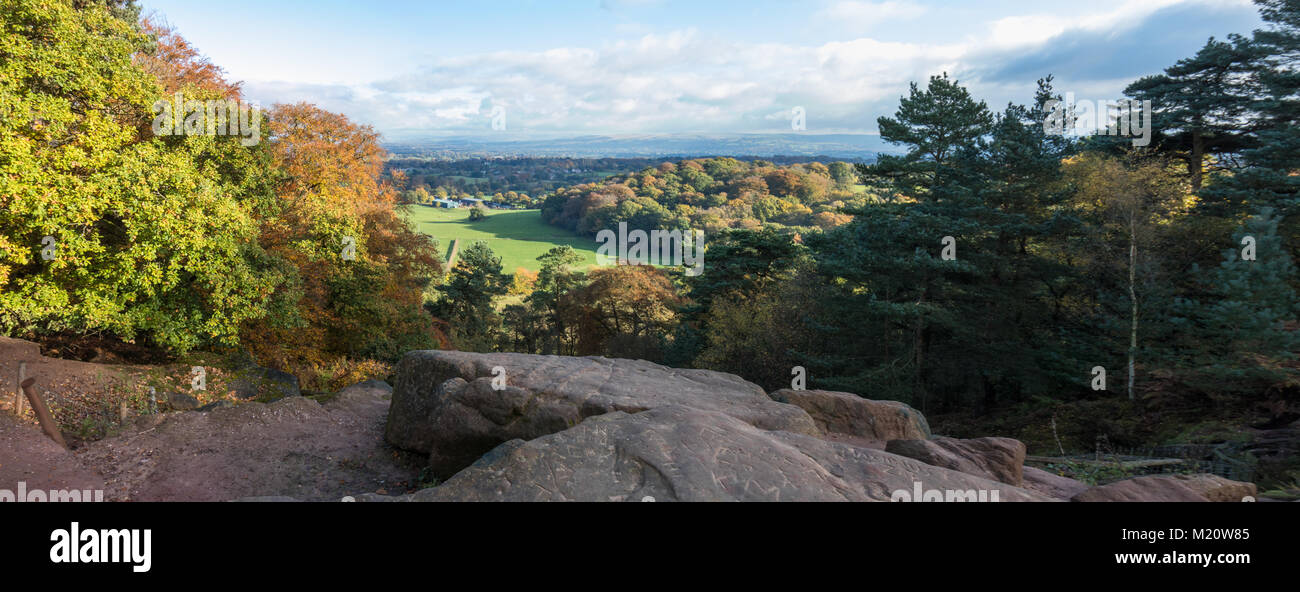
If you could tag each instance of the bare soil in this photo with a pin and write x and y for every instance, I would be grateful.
(137, 450)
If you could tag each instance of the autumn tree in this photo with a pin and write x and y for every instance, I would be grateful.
(1128, 200)
(143, 241)
(624, 311)
(177, 65)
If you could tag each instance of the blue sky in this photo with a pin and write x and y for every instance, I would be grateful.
(668, 66)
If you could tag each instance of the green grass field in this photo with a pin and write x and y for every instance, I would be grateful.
(518, 237)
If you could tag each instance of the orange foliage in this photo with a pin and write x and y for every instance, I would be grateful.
(523, 281)
(332, 193)
(177, 64)
(623, 310)
(828, 220)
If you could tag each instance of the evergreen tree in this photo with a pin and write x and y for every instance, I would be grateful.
(555, 280)
(1199, 104)
(935, 125)
(900, 320)
(1244, 328)
(741, 264)
(466, 298)
(887, 292)
(1268, 178)
(742, 261)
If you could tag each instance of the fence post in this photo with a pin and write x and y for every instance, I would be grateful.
(50, 428)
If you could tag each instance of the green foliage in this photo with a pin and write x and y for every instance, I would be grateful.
(1239, 101)
(1237, 337)
(757, 333)
(193, 241)
(465, 299)
(147, 239)
(555, 280)
(709, 194)
(743, 261)
(1199, 102)
(936, 125)
(898, 320)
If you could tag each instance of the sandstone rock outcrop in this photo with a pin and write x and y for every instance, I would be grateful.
(264, 384)
(999, 459)
(846, 413)
(445, 403)
(19, 349)
(1170, 488)
(513, 427)
(375, 388)
(677, 453)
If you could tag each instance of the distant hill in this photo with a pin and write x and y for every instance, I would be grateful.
(853, 147)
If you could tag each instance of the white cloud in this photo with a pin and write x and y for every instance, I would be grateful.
(1118, 15)
(685, 81)
(865, 15)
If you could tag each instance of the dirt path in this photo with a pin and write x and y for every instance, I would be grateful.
(295, 447)
(29, 458)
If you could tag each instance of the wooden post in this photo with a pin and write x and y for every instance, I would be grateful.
(43, 414)
(18, 392)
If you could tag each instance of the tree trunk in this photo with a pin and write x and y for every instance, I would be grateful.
(1132, 295)
(1198, 159)
(918, 346)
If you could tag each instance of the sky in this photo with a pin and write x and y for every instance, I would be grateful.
(629, 67)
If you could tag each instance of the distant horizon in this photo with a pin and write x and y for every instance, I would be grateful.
(845, 146)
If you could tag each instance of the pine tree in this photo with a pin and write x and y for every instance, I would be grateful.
(1268, 178)
(901, 318)
(1199, 104)
(935, 125)
(1245, 324)
(555, 280)
(466, 301)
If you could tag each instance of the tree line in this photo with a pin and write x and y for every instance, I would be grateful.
(711, 194)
